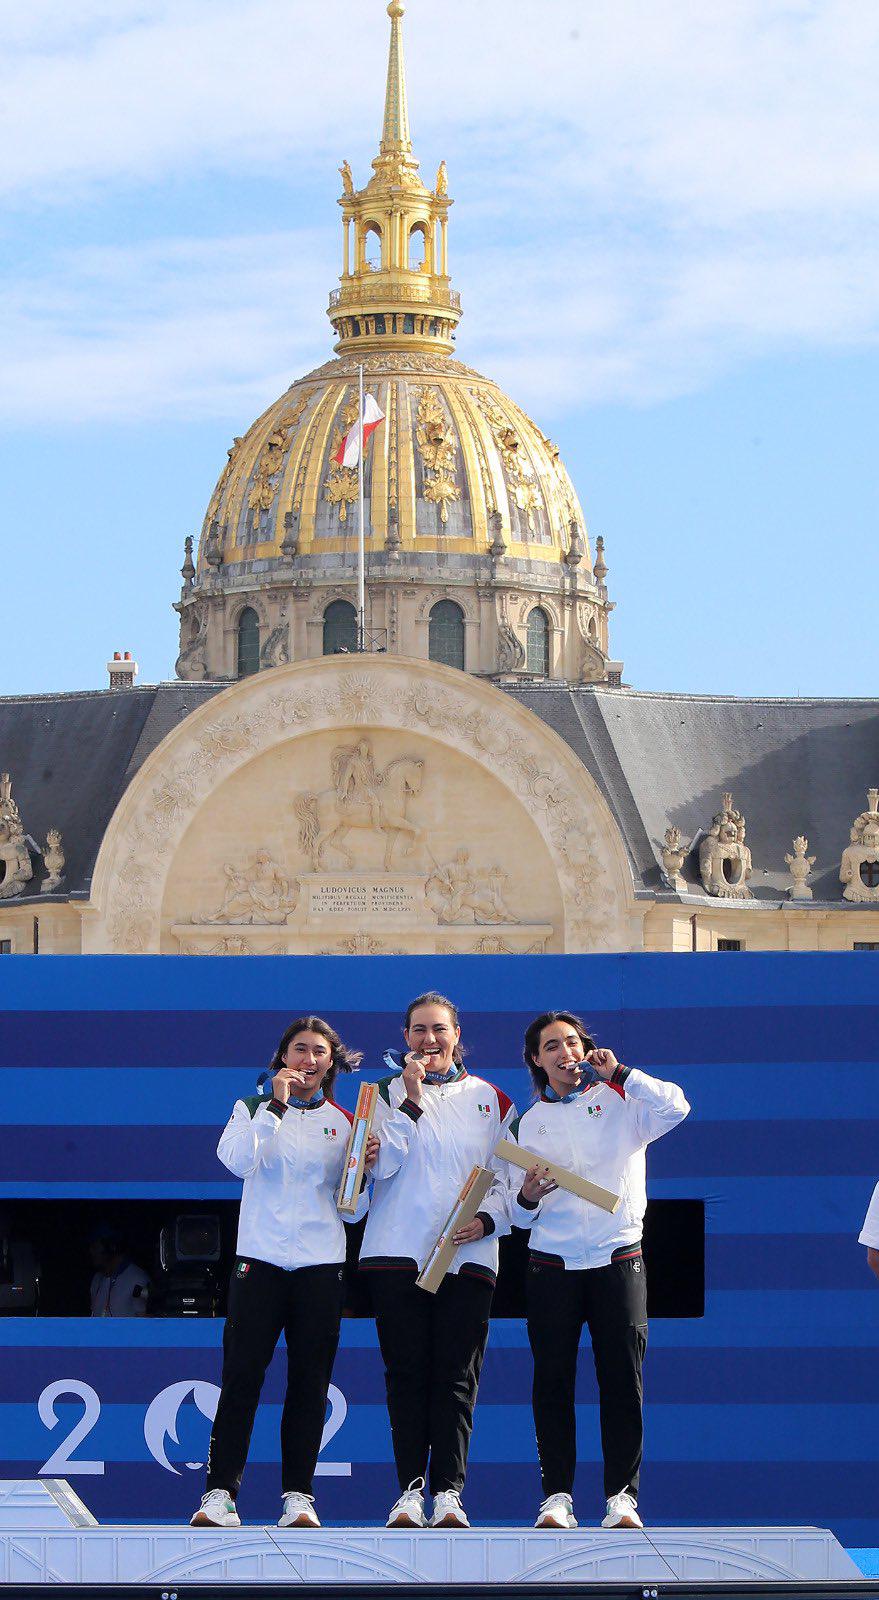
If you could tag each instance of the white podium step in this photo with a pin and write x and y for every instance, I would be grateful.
(135, 1555)
(41, 1503)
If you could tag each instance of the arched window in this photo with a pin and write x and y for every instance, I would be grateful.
(372, 247)
(419, 260)
(340, 628)
(538, 642)
(446, 634)
(248, 643)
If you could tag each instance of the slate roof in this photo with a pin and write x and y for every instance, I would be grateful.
(71, 756)
(793, 766)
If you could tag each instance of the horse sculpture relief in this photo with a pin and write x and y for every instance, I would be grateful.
(361, 797)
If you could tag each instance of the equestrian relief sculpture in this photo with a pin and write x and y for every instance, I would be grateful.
(361, 797)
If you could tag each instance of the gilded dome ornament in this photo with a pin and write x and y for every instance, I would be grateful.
(436, 443)
(464, 493)
(341, 485)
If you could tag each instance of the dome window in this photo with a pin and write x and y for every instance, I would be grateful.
(248, 643)
(409, 323)
(419, 249)
(537, 659)
(340, 628)
(380, 323)
(446, 634)
(372, 247)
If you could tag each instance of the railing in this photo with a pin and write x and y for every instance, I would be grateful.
(408, 293)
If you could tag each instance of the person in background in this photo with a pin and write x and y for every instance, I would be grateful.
(435, 1121)
(289, 1273)
(593, 1117)
(869, 1234)
(119, 1288)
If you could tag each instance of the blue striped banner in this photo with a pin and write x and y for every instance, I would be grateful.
(763, 1410)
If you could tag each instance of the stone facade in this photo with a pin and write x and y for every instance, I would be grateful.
(301, 791)
(407, 806)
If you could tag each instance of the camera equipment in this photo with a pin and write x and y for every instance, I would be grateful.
(187, 1285)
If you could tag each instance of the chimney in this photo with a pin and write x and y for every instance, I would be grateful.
(122, 670)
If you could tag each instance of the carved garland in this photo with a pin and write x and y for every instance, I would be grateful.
(272, 458)
(518, 470)
(393, 362)
(306, 455)
(223, 744)
(438, 449)
(341, 487)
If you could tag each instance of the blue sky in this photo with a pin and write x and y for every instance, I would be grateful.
(665, 235)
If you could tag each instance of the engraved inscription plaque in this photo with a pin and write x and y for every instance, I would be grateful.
(328, 895)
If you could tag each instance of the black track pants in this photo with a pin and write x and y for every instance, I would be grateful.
(264, 1302)
(612, 1302)
(432, 1346)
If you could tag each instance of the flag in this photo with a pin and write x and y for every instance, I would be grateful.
(348, 453)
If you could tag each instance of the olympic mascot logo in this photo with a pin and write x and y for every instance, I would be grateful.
(160, 1422)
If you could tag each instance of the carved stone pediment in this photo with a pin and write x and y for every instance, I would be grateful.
(318, 766)
(859, 868)
(724, 858)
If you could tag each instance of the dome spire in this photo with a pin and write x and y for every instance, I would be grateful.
(394, 285)
(396, 138)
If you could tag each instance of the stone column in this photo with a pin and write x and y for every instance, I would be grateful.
(298, 630)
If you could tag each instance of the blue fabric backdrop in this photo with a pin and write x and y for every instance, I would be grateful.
(764, 1410)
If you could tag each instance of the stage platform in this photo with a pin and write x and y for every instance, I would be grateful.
(48, 1538)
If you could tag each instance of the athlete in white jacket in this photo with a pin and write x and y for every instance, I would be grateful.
(594, 1117)
(435, 1122)
(288, 1275)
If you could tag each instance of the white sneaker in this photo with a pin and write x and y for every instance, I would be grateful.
(298, 1511)
(448, 1511)
(217, 1510)
(408, 1511)
(557, 1511)
(622, 1512)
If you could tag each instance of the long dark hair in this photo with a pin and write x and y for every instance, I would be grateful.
(341, 1058)
(434, 999)
(532, 1042)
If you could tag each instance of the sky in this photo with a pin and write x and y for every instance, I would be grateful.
(666, 239)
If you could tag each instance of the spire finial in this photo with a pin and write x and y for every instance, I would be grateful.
(396, 139)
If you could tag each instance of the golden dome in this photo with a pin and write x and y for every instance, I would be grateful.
(475, 546)
(456, 466)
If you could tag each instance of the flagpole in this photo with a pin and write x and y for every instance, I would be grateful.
(361, 540)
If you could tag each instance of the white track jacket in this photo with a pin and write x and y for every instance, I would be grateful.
(291, 1162)
(601, 1134)
(424, 1159)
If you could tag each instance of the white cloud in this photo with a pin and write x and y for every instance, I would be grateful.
(722, 108)
(177, 328)
(649, 192)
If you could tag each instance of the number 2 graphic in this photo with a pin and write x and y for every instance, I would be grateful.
(59, 1464)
